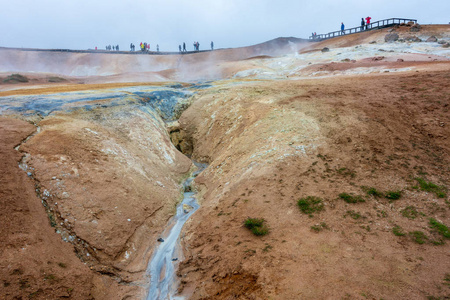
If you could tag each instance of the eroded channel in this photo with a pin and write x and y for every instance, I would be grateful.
(103, 118)
(166, 257)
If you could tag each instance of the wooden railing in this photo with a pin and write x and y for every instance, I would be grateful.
(375, 25)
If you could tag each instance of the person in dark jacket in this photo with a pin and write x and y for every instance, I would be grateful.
(342, 28)
(362, 24)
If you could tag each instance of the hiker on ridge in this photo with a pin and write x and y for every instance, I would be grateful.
(184, 47)
(342, 28)
(212, 45)
(362, 24)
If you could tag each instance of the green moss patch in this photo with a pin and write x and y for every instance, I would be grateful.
(257, 226)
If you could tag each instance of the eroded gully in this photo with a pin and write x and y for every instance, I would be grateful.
(165, 259)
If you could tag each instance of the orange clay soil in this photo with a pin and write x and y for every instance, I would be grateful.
(34, 262)
(270, 144)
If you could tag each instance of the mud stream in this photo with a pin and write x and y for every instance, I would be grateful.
(165, 259)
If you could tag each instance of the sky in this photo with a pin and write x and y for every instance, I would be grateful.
(86, 24)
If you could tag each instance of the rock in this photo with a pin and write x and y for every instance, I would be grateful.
(411, 23)
(446, 45)
(412, 38)
(432, 39)
(325, 49)
(391, 37)
(174, 259)
(187, 208)
(415, 28)
(160, 240)
(376, 58)
(400, 60)
(373, 42)
(441, 42)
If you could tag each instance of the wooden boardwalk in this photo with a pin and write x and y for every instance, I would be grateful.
(372, 26)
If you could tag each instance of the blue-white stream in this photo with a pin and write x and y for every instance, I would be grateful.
(162, 265)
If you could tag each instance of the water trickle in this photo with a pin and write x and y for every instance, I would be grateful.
(162, 265)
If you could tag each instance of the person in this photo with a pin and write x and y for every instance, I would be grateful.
(157, 47)
(212, 45)
(184, 47)
(117, 47)
(368, 22)
(198, 46)
(131, 47)
(342, 28)
(114, 47)
(362, 24)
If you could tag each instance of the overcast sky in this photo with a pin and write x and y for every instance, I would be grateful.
(84, 24)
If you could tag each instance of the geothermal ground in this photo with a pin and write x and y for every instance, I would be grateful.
(345, 155)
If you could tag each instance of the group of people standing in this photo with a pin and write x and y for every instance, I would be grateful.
(365, 24)
(143, 47)
(196, 47)
(109, 48)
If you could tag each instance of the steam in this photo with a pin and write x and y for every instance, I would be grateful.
(201, 66)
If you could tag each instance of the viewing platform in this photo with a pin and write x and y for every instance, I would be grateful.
(374, 25)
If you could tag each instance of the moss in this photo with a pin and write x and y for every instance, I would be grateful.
(440, 227)
(393, 195)
(371, 191)
(56, 79)
(350, 198)
(398, 231)
(418, 236)
(353, 214)
(15, 78)
(428, 186)
(410, 212)
(310, 205)
(319, 227)
(257, 226)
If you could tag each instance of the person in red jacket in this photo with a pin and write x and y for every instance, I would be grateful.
(368, 22)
